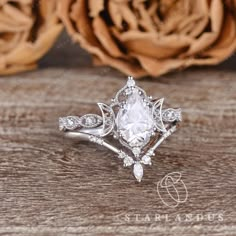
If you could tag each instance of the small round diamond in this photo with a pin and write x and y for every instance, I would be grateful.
(130, 82)
(128, 161)
(146, 160)
(136, 151)
(170, 115)
(90, 120)
(71, 122)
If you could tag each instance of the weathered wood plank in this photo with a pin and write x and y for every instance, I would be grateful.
(50, 186)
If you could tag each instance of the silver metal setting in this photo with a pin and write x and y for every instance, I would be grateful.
(136, 121)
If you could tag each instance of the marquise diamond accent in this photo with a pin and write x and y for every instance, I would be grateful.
(138, 171)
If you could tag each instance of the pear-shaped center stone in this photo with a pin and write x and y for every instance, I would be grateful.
(135, 121)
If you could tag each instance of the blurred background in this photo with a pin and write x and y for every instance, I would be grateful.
(67, 54)
(137, 38)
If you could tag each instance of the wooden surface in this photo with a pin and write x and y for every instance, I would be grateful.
(50, 186)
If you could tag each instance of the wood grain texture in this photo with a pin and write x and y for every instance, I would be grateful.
(51, 186)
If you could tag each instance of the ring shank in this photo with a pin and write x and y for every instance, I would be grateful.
(87, 137)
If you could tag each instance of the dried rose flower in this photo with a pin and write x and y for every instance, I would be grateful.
(152, 37)
(28, 29)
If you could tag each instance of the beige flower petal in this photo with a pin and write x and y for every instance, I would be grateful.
(115, 14)
(155, 67)
(226, 44)
(84, 24)
(149, 37)
(95, 7)
(128, 16)
(23, 38)
(207, 39)
(102, 33)
(16, 15)
(8, 42)
(202, 10)
(26, 53)
(151, 45)
(63, 10)
(10, 70)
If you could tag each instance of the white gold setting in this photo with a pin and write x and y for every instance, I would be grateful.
(136, 121)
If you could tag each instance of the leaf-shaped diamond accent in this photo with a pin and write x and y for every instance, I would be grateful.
(69, 123)
(138, 171)
(171, 115)
(90, 121)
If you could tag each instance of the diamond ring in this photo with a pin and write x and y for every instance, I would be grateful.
(137, 122)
